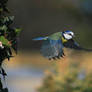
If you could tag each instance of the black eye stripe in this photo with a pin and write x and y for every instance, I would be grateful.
(70, 34)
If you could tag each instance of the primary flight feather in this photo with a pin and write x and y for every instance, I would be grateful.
(52, 46)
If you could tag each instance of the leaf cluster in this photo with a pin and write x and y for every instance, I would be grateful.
(71, 81)
(8, 34)
(8, 38)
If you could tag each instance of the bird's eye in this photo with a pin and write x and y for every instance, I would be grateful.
(70, 34)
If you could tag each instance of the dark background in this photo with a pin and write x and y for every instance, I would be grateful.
(44, 17)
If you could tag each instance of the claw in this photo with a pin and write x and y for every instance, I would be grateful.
(54, 58)
(58, 57)
(61, 56)
(49, 58)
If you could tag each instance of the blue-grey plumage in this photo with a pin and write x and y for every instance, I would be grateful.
(52, 49)
(52, 46)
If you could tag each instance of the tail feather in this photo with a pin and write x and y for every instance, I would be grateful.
(40, 38)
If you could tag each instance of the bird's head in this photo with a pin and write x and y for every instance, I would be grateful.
(68, 34)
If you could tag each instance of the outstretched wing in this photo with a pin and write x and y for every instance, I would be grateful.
(74, 45)
(40, 38)
(52, 49)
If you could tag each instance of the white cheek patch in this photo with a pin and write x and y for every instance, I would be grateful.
(72, 33)
(68, 37)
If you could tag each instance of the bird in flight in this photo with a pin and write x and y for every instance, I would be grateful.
(53, 45)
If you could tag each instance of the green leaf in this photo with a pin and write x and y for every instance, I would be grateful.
(1, 9)
(4, 41)
(4, 27)
(11, 18)
(18, 30)
(7, 19)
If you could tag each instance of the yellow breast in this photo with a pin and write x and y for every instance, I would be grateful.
(64, 40)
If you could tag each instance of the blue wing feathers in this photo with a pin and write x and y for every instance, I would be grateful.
(52, 48)
(40, 38)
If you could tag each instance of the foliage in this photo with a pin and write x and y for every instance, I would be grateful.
(72, 80)
(8, 38)
(1, 88)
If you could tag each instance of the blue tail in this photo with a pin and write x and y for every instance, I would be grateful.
(40, 38)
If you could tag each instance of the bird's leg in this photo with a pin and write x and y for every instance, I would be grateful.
(58, 57)
(64, 54)
(54, 58)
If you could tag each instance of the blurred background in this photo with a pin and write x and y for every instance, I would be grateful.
(27, 70)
